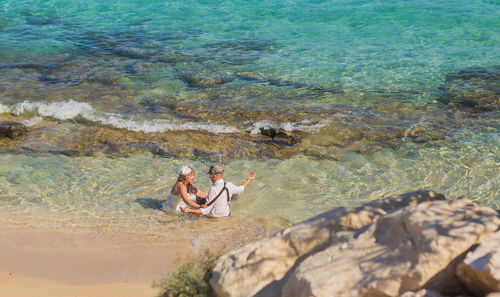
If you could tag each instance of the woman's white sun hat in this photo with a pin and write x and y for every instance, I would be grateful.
(185, 170)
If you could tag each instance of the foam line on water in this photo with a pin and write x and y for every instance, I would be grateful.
(67, 110)
(305, 126)
(70, 109)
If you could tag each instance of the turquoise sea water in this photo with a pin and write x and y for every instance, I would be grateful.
(367, 83)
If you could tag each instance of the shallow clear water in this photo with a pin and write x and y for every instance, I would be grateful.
(334, 70)
(124, 191)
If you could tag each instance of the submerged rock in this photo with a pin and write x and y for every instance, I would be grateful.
(282, 136)
(313, 90)
(239, 52)
(57, 80)
(475, 87)
(202, 81)
(12, 130)
(383, 248)
(40, 17)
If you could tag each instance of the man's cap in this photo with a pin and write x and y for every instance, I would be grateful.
(215, 169)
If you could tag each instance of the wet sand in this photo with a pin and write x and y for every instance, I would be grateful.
(83, 263)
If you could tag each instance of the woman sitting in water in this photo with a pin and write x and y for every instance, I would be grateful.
(184, 193)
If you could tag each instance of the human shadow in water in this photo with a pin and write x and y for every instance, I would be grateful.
(151, 203)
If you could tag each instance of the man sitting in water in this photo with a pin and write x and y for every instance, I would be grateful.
(219, 195)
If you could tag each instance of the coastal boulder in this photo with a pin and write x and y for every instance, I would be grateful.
(412, 248)
(12, 130)
(480, 270)
(259, 268)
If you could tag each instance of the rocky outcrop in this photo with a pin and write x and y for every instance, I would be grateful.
(480, 270)
(412, 248)
(390, 247)
(268, 261)
(12, 130)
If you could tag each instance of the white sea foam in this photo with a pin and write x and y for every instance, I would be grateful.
(255, 129)
(32, 122)
(156, 125)
(59, 110)
(305, 126)
(4, 108)
(70, 109)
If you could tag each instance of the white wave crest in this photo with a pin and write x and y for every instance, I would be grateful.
(4, 108)
(304, 126)
(70, 109)
(255, 129)
(59, 110)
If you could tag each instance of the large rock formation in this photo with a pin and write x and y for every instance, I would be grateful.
(269, 260)
(384, 248)
(409, 249)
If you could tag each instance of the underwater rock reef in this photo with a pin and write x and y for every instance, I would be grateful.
(260, 112)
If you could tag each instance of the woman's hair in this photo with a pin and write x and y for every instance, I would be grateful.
(186, 170)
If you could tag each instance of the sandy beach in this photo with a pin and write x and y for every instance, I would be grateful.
(83, 263)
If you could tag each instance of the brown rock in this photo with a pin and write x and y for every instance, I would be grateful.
(282, 136)
(12, 130)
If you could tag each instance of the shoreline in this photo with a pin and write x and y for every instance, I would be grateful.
(95, 263)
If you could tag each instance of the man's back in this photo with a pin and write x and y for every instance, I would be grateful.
(220, 208)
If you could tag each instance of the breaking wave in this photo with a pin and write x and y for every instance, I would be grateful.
(70, 109)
